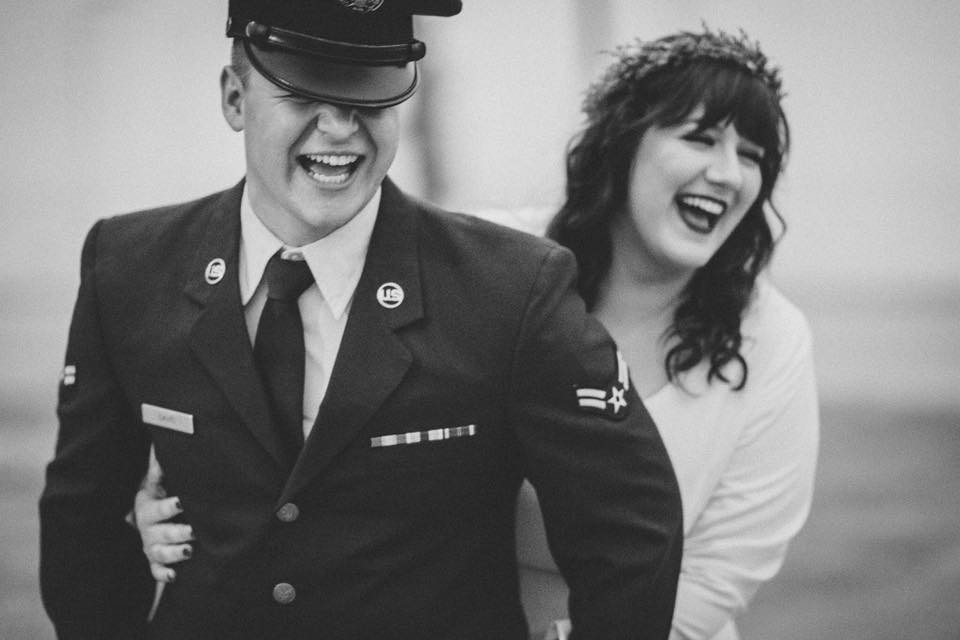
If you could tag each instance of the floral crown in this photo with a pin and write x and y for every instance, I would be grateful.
(639, 59)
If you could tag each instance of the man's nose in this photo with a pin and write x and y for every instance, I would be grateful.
(724, 168)
(336, 122)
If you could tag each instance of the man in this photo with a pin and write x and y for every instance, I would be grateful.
(347, 437)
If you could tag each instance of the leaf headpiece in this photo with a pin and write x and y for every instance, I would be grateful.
(639, 59)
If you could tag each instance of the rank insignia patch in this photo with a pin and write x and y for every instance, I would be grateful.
(611, 401)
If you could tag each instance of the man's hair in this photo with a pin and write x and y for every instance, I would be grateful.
(239, 60)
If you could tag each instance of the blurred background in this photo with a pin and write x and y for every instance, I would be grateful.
(113, 105)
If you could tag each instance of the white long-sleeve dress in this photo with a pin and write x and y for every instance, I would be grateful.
(745, 464)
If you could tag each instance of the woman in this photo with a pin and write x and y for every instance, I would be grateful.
(668, 191)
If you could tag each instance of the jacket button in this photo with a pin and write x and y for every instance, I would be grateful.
(284, 593)
(288, 512)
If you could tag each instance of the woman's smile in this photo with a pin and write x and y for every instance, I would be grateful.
(700, 213)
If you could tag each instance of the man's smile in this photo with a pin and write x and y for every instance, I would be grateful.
(328, 168)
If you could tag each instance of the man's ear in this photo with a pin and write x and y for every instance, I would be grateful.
(231, 98)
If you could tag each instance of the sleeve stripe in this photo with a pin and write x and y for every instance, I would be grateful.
(599, 394)
(596, 404)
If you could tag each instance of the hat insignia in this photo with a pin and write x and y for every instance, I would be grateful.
(362, 6)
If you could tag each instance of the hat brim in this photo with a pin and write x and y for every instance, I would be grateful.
(337, 83)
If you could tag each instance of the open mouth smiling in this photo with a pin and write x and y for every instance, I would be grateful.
(330, 168)
(700, 213)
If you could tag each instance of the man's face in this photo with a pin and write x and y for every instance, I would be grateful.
(311, 166)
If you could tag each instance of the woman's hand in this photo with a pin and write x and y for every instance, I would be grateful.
(164, 542)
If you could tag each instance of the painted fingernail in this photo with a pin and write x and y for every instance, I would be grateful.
(177, 505)
(187, 552)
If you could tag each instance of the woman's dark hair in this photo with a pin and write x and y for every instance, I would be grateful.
(620, 109)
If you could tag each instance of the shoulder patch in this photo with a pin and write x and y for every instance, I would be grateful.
(610, 401)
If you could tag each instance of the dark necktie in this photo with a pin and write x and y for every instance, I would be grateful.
(279, 350)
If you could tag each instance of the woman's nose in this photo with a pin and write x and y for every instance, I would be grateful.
(336, 122)
(724, 168)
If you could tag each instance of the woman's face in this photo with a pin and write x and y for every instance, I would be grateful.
(688, 190)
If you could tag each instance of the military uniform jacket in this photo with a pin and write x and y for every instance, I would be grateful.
(398, 519)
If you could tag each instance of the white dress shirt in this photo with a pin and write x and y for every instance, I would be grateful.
(336, 262)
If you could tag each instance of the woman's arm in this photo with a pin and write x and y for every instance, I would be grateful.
(760, 502)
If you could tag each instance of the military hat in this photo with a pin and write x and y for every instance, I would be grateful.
(351, 52)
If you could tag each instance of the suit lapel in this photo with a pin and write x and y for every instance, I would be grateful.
(218, 335)
(372, 359)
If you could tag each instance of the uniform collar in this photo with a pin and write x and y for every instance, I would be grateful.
(336, 260)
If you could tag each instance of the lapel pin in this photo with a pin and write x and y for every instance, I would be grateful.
(215, 270)
(390, 295)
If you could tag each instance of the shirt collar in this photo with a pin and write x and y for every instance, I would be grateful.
(336, 260)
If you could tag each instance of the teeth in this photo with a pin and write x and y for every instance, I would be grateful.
(333, 160)
(330, 168)
(337, 179)
(706, 205)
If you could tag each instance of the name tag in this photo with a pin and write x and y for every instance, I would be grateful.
(167, 418)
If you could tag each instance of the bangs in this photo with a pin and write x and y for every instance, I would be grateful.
(727, 94)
